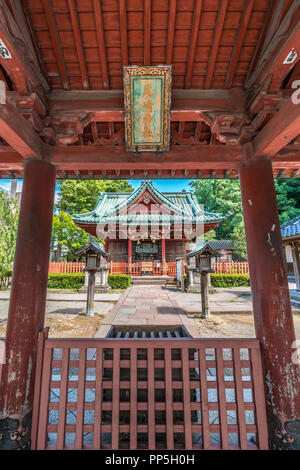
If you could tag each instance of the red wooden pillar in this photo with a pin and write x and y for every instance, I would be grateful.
(271, 303)
(27, 304)
(163, 255)
(129, 255)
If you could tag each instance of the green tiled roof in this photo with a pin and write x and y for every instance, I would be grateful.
(183, 206)
(203, 246)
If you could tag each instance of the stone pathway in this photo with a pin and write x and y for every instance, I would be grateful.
(146, 305)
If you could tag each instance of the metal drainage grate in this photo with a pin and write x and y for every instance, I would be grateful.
(133, 332)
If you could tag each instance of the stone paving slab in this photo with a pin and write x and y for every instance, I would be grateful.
(71, 297)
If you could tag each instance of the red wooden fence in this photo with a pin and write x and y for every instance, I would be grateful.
(158, 270)
(66, 267)
(231, 268)
(149, 394)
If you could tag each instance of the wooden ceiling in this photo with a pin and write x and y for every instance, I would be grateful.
(231, 95)
(84, 44)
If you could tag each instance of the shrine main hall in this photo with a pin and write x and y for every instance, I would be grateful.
(150, 89)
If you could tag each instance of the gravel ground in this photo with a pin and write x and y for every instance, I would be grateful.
(232, 326)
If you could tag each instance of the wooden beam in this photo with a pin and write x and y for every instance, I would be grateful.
(271, 19)
(193, 158)
(147, 32)
(193, 43)
(171, 31)
(179, 157)
(101, 43)
(279, 131)
(216, 42)
(47, 4)
(78, 43)
(123, 31)
(239, 42)
(271, 63)
(18, 133)
(112, 101)
(19, 63)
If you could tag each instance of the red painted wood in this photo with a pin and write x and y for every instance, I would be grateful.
(101, 42)
(123, 32)
(171, 31)
(239, 42)
(98, 398)
(193, 42)
(147, 32)
(216, 42)
(27, 306)
(240, 398)
(63, 395)
(168, 405)
(37, 386)
(115, 399)
(133, 398)
(79, 44)
(272, 312)
(279, 131)
(47, 5)
(18, 133)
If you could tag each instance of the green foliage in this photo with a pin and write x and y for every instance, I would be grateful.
(66, 235)
(288, 198)
(224, 197)
(65, 281)
(119, 281)
(230, 280)
(76, 281)
(9, 215)
(76, 196)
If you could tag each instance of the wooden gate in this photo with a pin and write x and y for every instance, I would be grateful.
(149, 394)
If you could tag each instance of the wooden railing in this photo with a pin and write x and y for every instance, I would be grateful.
(231, 268)
(66, 267)
(149, 394)
(135, 268)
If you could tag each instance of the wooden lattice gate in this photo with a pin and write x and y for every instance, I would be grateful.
(149, 394)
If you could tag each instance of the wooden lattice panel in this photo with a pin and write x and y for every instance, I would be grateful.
(150, 394)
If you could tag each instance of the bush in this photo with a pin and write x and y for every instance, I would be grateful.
(65, 281)
(230, 280)
(76, 281)
(119, 281)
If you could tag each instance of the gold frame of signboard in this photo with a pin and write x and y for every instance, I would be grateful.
(147, 103)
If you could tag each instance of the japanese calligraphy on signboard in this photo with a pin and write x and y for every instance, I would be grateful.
(147, 99)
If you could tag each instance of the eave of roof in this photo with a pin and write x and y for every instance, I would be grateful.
(106, 210)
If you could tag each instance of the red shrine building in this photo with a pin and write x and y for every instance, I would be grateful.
(147, 225)
(141, 89)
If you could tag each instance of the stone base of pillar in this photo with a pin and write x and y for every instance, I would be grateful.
(15, 433)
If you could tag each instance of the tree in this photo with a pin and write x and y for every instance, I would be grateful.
(224, 197)
(76, 196)
(9, 216)
(67, 236)
(288, 198)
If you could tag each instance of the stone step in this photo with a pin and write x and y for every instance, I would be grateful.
(153, 280)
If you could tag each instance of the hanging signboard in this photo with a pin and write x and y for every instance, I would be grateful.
(147, 101)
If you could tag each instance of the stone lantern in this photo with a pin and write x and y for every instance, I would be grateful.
(198, 270)
(96, 272)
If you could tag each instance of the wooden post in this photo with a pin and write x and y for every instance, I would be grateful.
(91, 294)
(204, 295)
(163, 255)
(296, 264)
(129, 255)
(271, 303)
(27, 304)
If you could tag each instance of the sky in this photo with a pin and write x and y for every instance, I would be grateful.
(162, 185)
